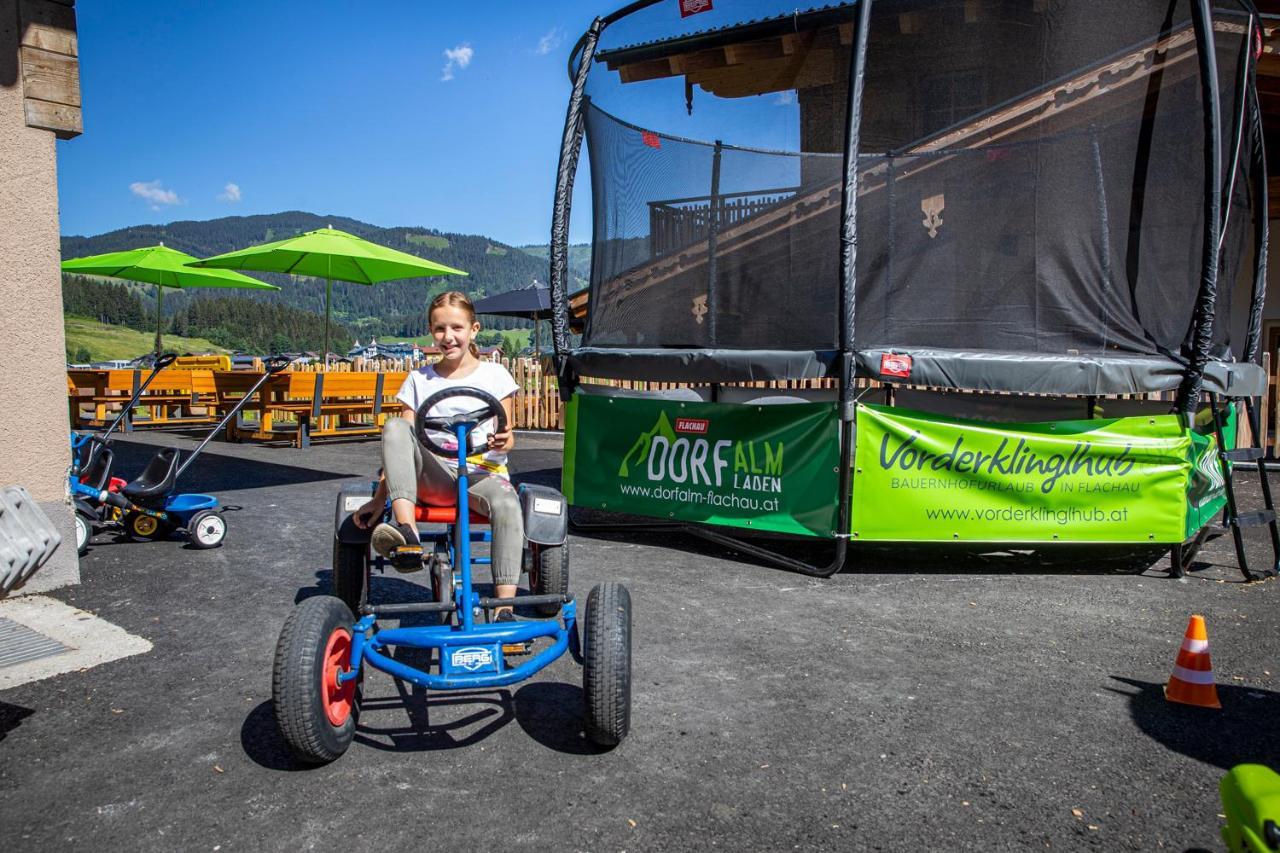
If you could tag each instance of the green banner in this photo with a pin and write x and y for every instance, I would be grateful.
(764, 467)
(924, 478)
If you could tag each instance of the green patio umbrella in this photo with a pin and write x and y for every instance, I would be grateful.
(330, 254)
(163, 267)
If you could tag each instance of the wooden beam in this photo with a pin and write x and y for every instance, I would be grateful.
(63, 120)
(50, 77)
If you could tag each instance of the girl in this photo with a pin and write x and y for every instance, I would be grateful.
(411, 473)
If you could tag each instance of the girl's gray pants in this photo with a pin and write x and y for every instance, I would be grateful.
(413, 473)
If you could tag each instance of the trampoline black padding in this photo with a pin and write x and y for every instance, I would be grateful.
(1043, 373)
(701, 365)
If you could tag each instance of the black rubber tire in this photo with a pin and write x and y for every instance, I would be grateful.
(84, 532)
(606, 670)
(548, 574)
(162, 529)
(295, 681)
(350, 578)
(194, 534)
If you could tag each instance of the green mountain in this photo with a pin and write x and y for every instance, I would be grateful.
(391, 309)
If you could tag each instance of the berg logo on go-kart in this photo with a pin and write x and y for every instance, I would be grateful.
(472, 658)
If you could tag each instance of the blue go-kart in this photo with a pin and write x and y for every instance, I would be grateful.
(150, 506)
(329, 641)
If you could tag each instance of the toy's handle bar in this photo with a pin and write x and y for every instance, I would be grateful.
(424, 423)
(161, 363)
(273, 364)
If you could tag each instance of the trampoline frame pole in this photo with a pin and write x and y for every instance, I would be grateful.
(1203, 318)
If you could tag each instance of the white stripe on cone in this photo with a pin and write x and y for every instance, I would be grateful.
(1195, 646)
(1193, 676)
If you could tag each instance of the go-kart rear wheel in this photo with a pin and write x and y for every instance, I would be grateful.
(548, 574)
(207, 529)
(143, 528)
(316, 715)
(84, 532)
(351, 573)
(606, 671)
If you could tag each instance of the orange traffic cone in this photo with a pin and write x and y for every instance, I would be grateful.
(1192, 680)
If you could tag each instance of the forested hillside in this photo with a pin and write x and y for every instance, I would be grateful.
(392, 309)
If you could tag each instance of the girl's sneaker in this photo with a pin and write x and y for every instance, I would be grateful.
(399, 544)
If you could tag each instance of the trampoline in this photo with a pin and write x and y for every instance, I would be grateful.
(924, 272)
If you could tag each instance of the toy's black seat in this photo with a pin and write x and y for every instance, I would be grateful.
(158, 478)
(97, 470)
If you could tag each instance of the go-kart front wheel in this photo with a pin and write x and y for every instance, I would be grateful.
(207, 529)
(606, 670)
(316, 715)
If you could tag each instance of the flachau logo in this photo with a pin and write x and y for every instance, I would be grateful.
(659, 454)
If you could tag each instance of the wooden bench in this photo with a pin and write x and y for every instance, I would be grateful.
(333, 404)
(170, 398)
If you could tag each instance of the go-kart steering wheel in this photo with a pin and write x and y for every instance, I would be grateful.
(424, 423)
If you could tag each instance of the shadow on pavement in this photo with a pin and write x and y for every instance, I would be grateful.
(551, 713)
(11, 716)
(215, 471)
(1240, 732)
(893, 558)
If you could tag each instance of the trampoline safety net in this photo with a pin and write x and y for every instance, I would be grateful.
(1030, 180)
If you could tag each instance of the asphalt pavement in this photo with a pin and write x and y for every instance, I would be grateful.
(942, 699)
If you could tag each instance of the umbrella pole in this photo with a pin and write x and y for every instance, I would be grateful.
(328, 287)
(159, 318)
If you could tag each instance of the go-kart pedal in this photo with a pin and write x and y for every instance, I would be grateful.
(399, 543)
(523, 648)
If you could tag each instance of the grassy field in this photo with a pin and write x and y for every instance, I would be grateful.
(427, 240)
(105, 341)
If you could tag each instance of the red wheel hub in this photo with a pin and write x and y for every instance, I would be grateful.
(338, 698)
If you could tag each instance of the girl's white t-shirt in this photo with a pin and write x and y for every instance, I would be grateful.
(488, 376)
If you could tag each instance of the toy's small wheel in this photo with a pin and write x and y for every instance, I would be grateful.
(548, 574)
(141, 526)
(84, 532)
(316, 714)
(351, 573)
(606, 670)
(207, 529)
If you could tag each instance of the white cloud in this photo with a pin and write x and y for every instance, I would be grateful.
(230, 193)
(785, 98)
(458, 57)
(549, 42)
(153, 192)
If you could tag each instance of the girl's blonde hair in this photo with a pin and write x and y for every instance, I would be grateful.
(455, 299)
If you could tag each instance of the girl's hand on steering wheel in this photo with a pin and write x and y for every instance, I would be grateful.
(502, 441)
(365, 515)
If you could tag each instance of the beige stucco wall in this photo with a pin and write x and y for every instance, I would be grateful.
(33, 406)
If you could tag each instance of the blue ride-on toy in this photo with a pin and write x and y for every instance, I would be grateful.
(329, 641)
(151, 507)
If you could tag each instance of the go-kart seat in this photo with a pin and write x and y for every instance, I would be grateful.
(444, 515)
(158, 478)
(96, 474)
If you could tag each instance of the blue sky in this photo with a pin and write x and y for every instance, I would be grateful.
(398, 112)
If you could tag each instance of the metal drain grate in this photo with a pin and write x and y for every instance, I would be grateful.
(19, 644)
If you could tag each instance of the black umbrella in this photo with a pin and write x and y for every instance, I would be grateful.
(532, 302)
